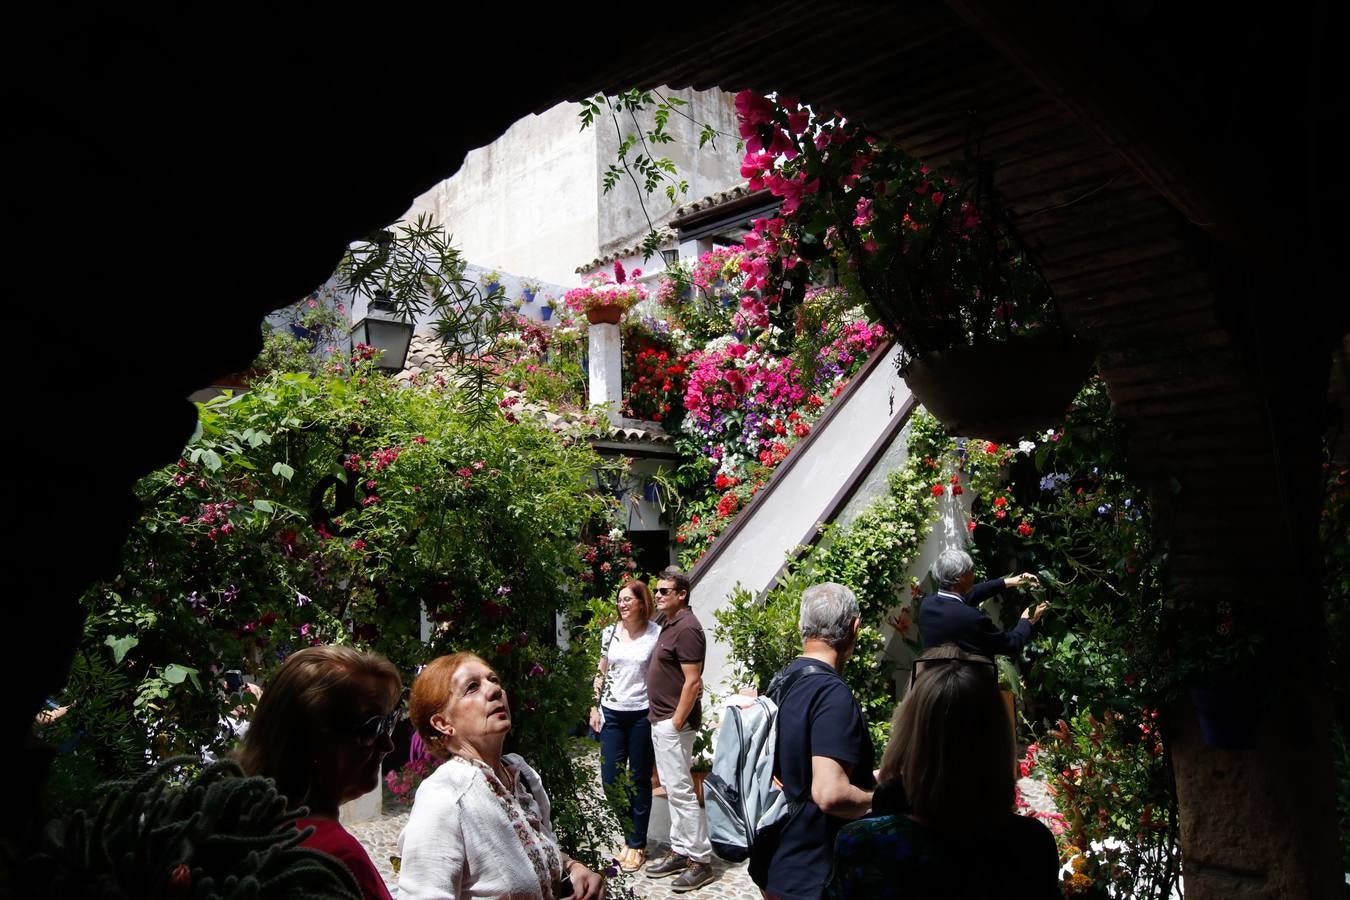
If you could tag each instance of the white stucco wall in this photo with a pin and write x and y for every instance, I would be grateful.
(533, 203)
(526, 202)
(707, 169)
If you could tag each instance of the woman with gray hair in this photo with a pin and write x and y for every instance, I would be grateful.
(952, 615)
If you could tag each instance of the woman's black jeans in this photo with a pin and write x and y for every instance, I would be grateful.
(626, 740)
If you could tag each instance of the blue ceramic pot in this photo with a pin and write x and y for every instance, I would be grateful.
(545, 313)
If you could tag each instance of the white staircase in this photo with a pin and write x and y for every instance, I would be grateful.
(811, 487)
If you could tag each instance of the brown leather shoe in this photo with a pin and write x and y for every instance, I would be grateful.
(695, 876)
(671, 865)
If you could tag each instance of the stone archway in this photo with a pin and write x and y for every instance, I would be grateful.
(179, 179)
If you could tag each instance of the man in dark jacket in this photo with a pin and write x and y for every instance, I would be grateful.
(953, 615)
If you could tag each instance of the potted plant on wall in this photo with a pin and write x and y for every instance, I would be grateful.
(605, 298)
(546, 307)
(491, 281)
(935, 255)
(529, 290)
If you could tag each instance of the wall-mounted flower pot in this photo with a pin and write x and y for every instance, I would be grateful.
(604, 315)
(1001, 391)
(491, 288)
(302, 333)
(545, 313)
(527, 295)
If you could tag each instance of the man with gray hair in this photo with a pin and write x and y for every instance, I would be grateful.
(953, 616)
(823, 755)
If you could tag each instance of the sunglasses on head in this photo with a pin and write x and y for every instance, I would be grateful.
(928, 663)
(376, 727)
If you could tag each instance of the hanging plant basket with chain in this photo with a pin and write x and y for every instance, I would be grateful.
(936, 256)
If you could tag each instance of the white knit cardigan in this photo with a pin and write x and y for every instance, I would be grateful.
(459, 843)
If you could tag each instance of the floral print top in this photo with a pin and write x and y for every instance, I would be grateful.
(522, 810)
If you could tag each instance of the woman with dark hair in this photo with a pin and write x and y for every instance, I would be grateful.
(479, 826)
(950, 830)
(620, 714)
(320, 731)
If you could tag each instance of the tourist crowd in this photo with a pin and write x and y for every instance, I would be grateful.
(934, 819)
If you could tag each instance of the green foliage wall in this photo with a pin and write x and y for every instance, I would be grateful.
(318, 509)
(871, 557)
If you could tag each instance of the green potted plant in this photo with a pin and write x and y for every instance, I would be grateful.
(701, 762)
(546, 307)
(529, 290)
(933, 252)
(491, 281)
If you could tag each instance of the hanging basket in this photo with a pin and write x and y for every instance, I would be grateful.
(604, 315)
(1001, 391)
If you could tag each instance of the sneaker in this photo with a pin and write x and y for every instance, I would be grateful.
(695, 876)
(673, 863)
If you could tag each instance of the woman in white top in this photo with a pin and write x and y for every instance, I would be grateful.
(621, 715)
(479, 826)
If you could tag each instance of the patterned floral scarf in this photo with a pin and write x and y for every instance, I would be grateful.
(522, 811)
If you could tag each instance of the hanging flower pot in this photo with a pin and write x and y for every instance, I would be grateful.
(604, 315)
(935, 253)
(1001, 391)
(527, 294)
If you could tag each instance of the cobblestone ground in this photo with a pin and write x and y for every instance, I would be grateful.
(380, 838)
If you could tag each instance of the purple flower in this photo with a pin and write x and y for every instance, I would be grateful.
(535, 669)
(197, 602)
(231, 595)
(302, 600)
(1054, 481)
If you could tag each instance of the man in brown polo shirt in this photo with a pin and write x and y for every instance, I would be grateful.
(674, 683)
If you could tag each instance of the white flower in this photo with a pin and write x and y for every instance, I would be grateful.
(719, 343)
(616, 534)
(1025, 447)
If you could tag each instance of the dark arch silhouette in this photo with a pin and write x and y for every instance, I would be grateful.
(176, 178)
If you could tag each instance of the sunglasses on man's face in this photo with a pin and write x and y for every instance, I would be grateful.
(376, 727)
(662, 591)
(928, 664)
